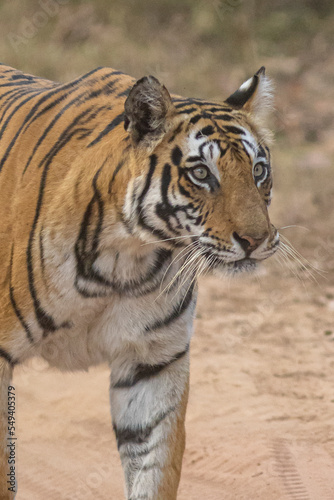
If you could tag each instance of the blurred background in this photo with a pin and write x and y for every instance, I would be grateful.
(260, 417)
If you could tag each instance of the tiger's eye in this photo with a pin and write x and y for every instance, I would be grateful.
(259, 170)
(200, 173)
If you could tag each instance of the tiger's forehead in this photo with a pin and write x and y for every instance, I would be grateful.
(200, 148)
(213, 128)
(210, 141)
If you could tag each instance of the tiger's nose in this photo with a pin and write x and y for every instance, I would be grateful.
(248, 243)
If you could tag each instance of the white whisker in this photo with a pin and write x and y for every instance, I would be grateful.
(294, 225)
(170, 239)
(187, 250)
(178, 257)
(192, 265)
(300, 256)
(289, 259)
(299, 259)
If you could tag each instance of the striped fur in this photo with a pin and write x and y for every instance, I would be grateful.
(114, 197)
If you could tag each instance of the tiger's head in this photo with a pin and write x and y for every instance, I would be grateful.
(202, 173)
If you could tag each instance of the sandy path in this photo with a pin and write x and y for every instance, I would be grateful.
(260, 422)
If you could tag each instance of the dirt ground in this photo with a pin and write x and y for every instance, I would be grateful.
(260, 421)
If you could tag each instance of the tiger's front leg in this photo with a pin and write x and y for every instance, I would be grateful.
(148, 410)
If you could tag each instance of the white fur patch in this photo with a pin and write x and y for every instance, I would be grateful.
(210, 152)
(245, 86)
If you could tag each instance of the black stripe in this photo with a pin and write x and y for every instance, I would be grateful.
(206, 105)
(195, 119)
(145, 371)
(165, 210)
(141, 219)
(205, 131)
(214, 110)
(4, 354)
(202, 146)
(13, 301)
(261, 151)
(22, 76)
(177, 311)
(223, 116)
(87, 251)
(41, 251)
(176, 156)
(194, 159)
(184, 103)
(165, 182)
(245, 149)
(125, 92)
(139, 435)
(179, 99)
(153, 164)
(176, 132)
(221, 149)
(100, 207)
(117, 169)
(19, 84)
(187, 110)
(233, 130)
(116, 121)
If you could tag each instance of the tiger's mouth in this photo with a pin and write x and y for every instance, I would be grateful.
(234, 263)
(243, 265)
(235, 267)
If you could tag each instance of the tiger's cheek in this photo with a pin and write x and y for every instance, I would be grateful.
(266, 190)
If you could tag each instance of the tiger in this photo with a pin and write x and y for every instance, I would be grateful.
(115, 196)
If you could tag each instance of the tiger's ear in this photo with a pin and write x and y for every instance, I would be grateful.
(147, 111)
(254, 96)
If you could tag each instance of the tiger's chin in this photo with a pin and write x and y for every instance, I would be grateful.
(237, 267)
